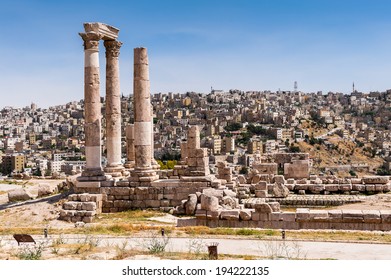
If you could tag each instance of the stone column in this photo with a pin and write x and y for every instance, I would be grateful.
(113, 109)
(92, 106)
(142, 110)
(143, 171)
(193, 141)
(129, 146)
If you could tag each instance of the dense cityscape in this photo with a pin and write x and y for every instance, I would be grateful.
(345, 134)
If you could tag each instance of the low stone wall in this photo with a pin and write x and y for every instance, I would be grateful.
(160, 195)
(294, 200)
(324, 185)
(81, 207)
(303, 218)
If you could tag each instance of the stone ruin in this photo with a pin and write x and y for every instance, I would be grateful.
(224, 199)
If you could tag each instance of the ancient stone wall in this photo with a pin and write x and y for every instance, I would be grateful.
(303, 218)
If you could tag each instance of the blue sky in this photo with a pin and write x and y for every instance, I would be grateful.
(193, 45)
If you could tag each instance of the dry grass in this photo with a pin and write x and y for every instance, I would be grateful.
(201, 230)
(131, 215)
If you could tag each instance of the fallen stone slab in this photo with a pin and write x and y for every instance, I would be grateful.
(19, 195)
(232, 215)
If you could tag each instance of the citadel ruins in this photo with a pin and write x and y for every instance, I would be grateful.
(222, 199)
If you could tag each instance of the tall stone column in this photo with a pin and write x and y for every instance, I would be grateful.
(113, 109)
(142, 119)
(129, 146)
(92, 106)
(142, 110)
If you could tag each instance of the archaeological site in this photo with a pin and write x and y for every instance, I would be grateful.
(200, 193)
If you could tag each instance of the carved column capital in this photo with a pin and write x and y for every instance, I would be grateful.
(112, 48)
(91, 40)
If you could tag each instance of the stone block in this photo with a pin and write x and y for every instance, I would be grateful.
(302, 214)
(241, 179)
(385, 216)
(290, 181)
(256, 216)
(70, 205)
(371, 216)
(213, 192)
(279, 190)
(122, 183)
(358, 187)
(232, 215)
(335, 216)
(245, 214)
(331, 187)
(229, 202)
(213, 215)
(90, 213)
(279, 179)
(87, 186)
(262, 207)
(152, 203)
(376, 180)
(288, 216)
(352, 216)
(73, 197)
(89, 206)
(299, 187)
(369, 188)
(260, 194)
(209, 203)
(345, 187)
(84, 197)
(191, 204)
(275, 206)
(124, 204)
(20, 195)
(319, 215)
(275, 216)
(316, 188)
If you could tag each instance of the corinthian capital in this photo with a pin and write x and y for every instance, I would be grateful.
(91, 40)
(112, 48)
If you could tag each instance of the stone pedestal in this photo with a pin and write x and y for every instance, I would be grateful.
(113, 109)
(197, 160)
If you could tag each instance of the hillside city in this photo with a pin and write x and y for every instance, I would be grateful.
(340, 134)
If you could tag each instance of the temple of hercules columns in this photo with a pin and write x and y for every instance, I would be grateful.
(139, 182)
